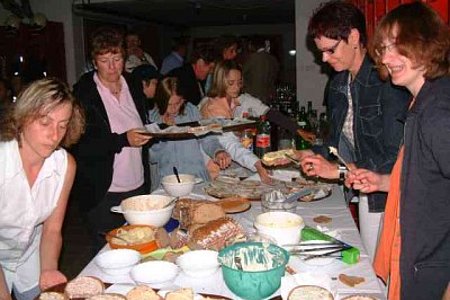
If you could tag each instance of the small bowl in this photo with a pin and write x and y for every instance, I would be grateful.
(142, 248)
(155, 273)
(199, 263)
(283, 227)
(252, 279)
(118, 261)
(146, 210)
(178, 189)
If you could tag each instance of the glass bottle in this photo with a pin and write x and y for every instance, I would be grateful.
(262, 144)
(302, 121)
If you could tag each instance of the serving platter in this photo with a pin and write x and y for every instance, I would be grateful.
(225, 187)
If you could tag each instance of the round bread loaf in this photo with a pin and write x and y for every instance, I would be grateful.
(84, 287)
(107, 296)
(52, 296)
(310, 292)
(143, 292)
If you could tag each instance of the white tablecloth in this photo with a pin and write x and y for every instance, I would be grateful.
(342, 224)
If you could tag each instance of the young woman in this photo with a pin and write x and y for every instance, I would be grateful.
(222, 102)
(35, 182)
(414, 250)
(186, 154)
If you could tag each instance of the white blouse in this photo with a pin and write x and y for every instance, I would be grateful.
(23, 211)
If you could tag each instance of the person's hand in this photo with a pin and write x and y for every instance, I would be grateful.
(168, 119)
(136, 138)
(136, 51)
(51, 278)
(367, 181)
(317, 165)
(263, 173)
(301, 154)
(223, 159)
(307, 135)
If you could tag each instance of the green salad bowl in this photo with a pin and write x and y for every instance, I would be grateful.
(253, 270)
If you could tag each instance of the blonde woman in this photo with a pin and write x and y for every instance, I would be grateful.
(35, 182)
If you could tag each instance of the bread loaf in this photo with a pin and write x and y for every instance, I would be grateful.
(181, 294)
(52, 296)
(84, 287)
(143, 292)
(190, 211)
(108, 296)
(216, 234)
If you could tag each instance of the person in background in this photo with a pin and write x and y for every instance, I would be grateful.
(149, 77)
(260, 71)
(184, 154)
(221, 102)
(366, 112)
(136, 56)
(414, 250)
(111, 155)
(176, 58)
(191, 76)
(35, 182)
(226, 48)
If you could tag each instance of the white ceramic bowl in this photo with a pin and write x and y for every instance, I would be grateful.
(117, 261)
(280, 226)
(143, 210)
(155, 273)
(178, 189)
(199, 263)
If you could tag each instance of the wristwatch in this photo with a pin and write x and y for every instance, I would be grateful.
(342, 172)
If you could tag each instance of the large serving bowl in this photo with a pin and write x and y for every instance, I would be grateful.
(146, 210)
(178, 189)
(253, 270)
(282, 227)
(117, 261)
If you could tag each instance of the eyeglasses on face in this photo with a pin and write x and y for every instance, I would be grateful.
(383, 49)
(332, 50)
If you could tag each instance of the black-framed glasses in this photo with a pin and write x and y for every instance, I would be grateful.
(331, 50)
(382, 50)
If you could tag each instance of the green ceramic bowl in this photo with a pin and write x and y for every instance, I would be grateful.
(253, 270)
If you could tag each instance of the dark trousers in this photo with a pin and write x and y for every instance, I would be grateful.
(100, 219)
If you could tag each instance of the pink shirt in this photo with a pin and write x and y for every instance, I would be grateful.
(128, 171)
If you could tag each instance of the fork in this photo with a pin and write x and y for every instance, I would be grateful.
(293, 160)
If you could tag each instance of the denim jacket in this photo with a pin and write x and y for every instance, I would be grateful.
(379, 111)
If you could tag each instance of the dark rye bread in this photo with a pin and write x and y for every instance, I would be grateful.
(216, 234)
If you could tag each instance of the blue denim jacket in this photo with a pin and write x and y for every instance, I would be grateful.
(379, 111)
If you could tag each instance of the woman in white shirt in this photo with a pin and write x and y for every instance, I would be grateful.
(35, 181)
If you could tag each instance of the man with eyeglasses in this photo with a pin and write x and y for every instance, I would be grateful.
(365, 113)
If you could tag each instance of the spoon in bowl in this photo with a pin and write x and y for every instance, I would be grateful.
(175, 171)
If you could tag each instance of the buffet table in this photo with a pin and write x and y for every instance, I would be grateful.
(342, 226)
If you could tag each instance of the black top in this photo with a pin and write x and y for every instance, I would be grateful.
(97, 147)
(425, 194)
(190, 88)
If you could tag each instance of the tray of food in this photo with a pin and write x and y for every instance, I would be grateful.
(225, 187)
(179, 131)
